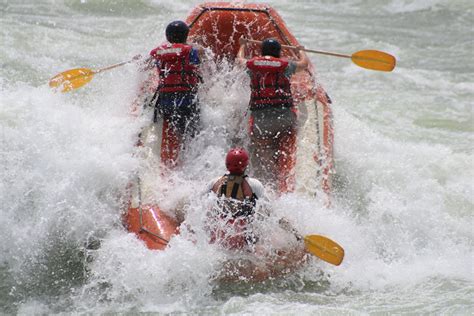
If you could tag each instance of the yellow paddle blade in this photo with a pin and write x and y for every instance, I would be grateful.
(71, 79)
(374, 59)
(324, 248)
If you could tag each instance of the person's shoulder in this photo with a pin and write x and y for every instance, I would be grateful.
(194, 51)
(291, 68)
(194, 55)
(292, 64)
(154, 50)
(211, 183)
(254, 181)
(256, 185)
(252, 60)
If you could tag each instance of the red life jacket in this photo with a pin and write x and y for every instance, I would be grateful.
(269, 85)
(175, 70)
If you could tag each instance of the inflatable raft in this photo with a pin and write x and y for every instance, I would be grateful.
(218, 26)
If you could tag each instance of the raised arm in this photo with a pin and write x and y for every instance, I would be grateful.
(303, 62)
(241, 53)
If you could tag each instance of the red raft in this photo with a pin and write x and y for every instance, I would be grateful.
(219, 26)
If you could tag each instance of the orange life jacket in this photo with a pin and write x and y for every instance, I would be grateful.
(177, 73)
(268, 83)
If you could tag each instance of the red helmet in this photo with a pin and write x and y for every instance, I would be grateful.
(237, 160)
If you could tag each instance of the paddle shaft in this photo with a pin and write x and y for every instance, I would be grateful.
(112, 66)
(321, 52)
(308, 50)
(285, 224)
(369, 59)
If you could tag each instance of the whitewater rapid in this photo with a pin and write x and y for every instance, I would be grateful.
(403, 198)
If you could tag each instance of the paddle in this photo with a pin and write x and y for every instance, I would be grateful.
(370, 59)
(320, 246)
(76, 78)
(324, 248)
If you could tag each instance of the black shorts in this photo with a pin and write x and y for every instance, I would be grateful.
(271, 121)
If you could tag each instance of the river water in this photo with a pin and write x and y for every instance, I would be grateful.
(403, 197)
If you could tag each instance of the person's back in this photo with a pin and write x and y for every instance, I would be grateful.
(176, 98)
(237, 226)
(273, 118)
(237, 197)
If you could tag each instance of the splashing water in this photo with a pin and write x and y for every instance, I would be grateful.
(403, 148)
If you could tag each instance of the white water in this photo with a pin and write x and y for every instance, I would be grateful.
(403, 149)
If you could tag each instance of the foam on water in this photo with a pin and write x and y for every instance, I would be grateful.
(403, 201)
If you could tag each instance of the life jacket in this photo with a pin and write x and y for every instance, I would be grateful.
(176, 72)
(236, 205)
(239, 199)
(269, 85)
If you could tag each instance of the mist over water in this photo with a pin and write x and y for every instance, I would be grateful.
(403, 196)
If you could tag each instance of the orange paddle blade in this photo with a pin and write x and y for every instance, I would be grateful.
(374, 59)
(71, 79)
(324, 248)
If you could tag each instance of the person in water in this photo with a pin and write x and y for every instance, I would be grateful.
(176, 97)
(273, 119)
(237, 197)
